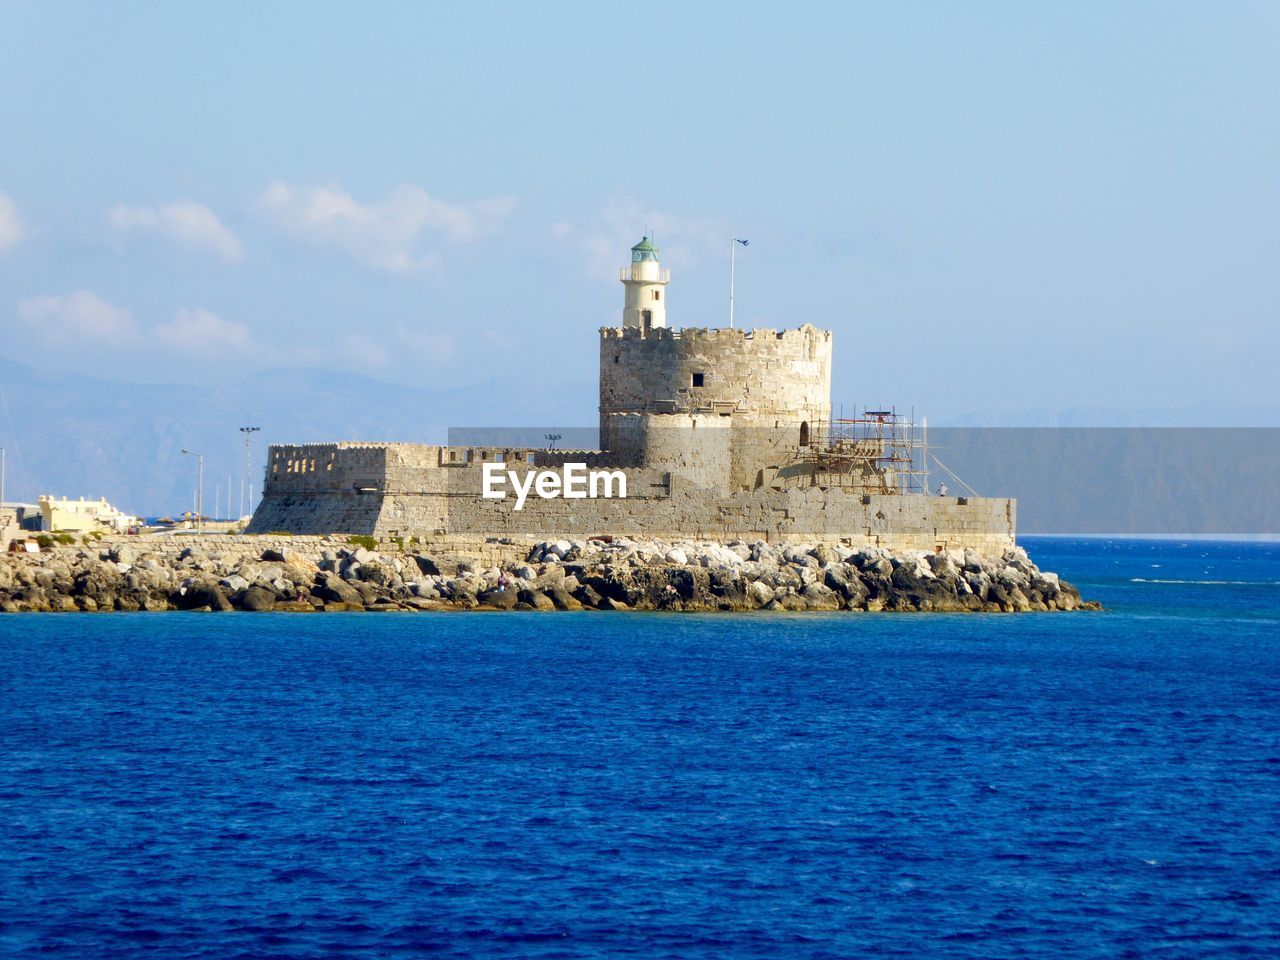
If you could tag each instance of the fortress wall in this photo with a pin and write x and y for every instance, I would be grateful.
(697, 447)
(316, 488)
(360, 488)
(660, 505)
(428, 491)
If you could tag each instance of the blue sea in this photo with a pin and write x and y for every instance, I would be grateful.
(658, 785)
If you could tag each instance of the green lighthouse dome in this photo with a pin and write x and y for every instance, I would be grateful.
(644, 250)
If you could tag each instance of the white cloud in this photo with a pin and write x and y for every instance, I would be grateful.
(82, 324)
(187, 222)
(606, 240)
(202, 332)
(10, 224)
(80, 317)
(386, 234)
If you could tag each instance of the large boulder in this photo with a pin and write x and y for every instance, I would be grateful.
(563, 599)
(201, 593)
(499, 599)
(844, 580)
(692, 584)
(728, 590)
(820, 597)
(825, 553)
(439, 566)
(759, 593)
(257, 599)
(331, 588)
(536, 599)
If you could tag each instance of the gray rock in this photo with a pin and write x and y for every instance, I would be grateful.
(501, 599)
(331, 588)
(825, 554)
(941, 565)
(258, 599)
(234, 584)
(201, 594)
(536, 599)
(819, 597)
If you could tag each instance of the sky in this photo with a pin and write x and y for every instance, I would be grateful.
(996, 207)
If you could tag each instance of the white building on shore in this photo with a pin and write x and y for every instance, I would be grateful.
(83, 516)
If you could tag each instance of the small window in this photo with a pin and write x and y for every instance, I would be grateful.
(804, 434)
(615, 358)
(657, 294)
(698, 379)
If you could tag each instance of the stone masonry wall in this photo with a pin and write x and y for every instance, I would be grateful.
(671, 511)
(769, 381)
(435, 491)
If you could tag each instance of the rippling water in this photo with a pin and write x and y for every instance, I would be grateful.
(573, 785)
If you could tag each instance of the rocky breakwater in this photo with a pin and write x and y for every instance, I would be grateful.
(596, 574)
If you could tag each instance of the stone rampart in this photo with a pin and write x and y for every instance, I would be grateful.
(427, 491)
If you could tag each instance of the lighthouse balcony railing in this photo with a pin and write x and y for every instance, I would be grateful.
(635, 273)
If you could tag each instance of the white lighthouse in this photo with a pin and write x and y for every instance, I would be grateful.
(645, 282)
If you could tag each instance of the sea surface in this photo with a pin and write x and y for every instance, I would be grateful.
(658, 785)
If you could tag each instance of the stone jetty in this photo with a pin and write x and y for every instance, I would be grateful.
(327, 574)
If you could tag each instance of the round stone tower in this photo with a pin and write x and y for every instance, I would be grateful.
(774, 385)
(645, 306)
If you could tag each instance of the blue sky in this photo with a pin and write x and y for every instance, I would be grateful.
(997, 207)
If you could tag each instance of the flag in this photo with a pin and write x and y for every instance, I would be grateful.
(743, 242)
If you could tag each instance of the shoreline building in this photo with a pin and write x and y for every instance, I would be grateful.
(720, 432)
(64, 515)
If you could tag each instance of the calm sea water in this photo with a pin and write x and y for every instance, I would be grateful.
(592, 785)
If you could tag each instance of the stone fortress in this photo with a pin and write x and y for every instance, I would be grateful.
(721, 433)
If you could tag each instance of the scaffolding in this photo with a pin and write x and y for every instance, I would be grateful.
(876, 452)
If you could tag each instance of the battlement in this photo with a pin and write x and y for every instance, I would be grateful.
(718, 334)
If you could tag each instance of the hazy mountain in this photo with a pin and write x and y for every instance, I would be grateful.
(73, 435)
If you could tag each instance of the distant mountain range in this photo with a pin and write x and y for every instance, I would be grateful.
(72, 435)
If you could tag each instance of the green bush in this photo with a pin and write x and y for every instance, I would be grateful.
(369, 543)
(45, 541)
(65, 539)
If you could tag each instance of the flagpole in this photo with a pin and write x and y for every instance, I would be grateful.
(733, 251)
